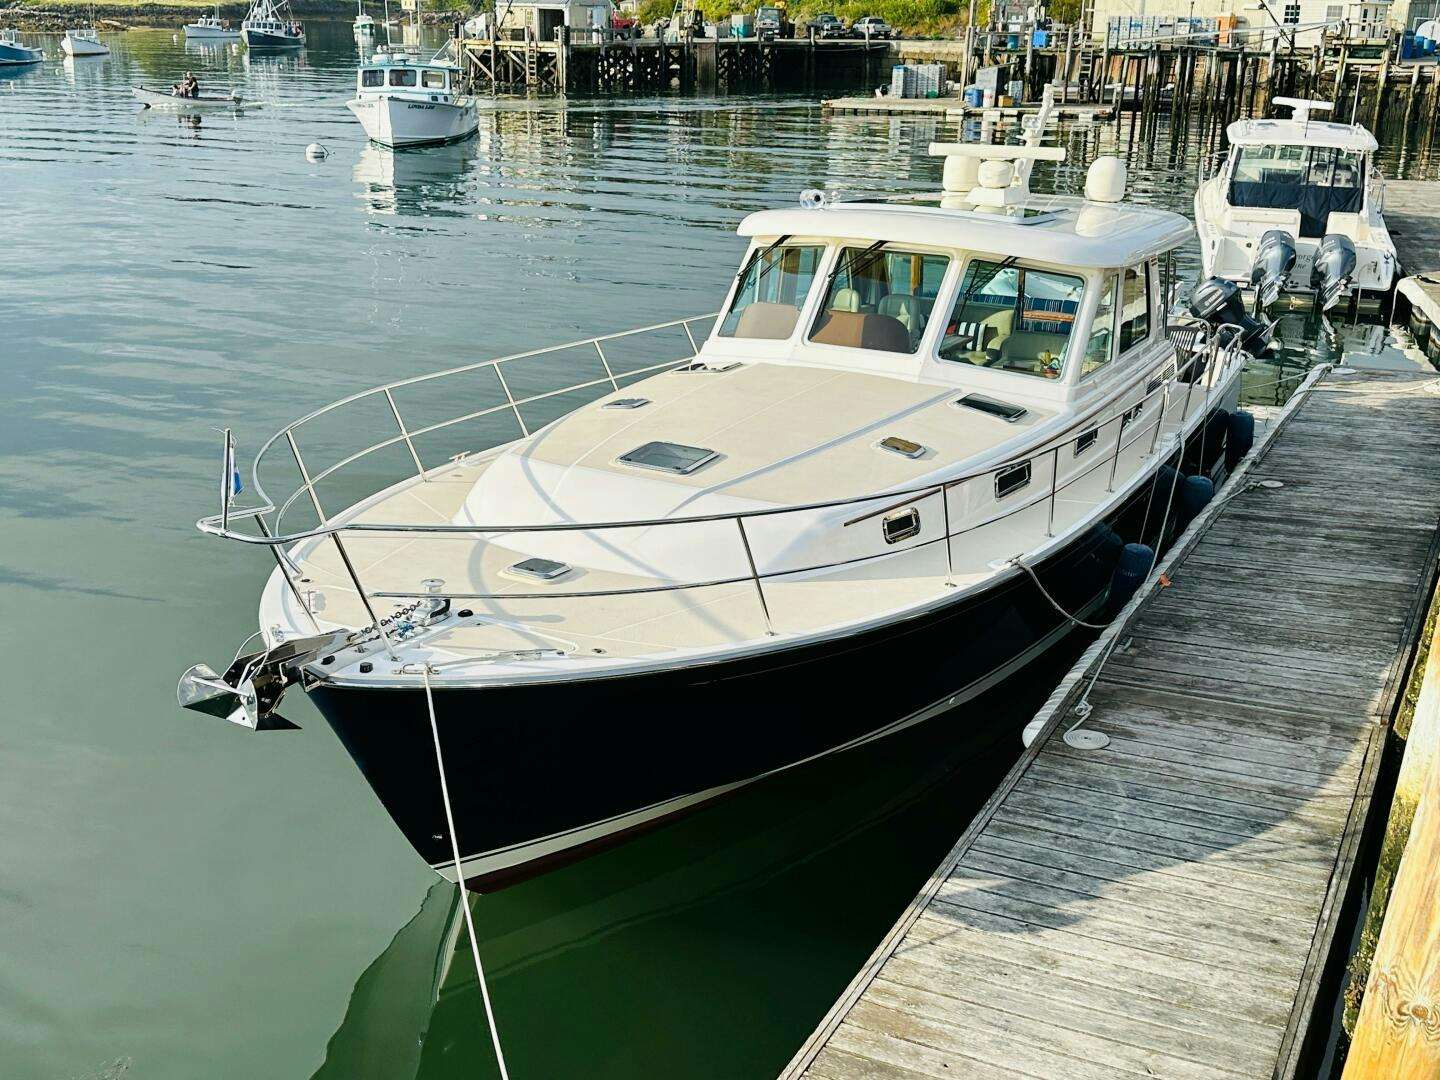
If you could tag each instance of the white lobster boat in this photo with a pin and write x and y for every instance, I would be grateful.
(211, 28)
(83, 42)
(1296, 207)
(918, 429)
(402, 101)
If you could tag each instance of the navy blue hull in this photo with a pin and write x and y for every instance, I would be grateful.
(256, 39)
(538, 761)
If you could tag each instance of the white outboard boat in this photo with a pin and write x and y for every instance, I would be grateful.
(403, 101)
(83, 42)
(1296, 207)
(725, 546)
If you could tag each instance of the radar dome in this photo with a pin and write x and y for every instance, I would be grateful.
(1105, 182)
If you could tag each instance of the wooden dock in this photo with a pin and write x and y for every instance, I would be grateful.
(954, 106)
(1166, 905)
(1414, 226)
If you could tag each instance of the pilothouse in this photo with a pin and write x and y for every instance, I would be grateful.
(918, 429)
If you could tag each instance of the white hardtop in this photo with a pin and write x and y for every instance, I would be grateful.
(393, 58)
(1060, 230)
(1299, 130)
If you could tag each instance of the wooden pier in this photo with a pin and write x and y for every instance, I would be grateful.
(1166, 905)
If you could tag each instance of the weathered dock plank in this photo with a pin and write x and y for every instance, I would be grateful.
(1410, 216)
(1165, 905)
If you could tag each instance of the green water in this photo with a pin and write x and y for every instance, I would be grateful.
(182, 899)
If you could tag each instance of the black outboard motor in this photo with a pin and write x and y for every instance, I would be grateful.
(1218, 302)
(1274, 260)
(1333, 268)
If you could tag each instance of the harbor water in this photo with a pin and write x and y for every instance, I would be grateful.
(181, 898)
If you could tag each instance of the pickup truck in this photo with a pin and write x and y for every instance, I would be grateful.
(826, 26)
(770, 23)
(877, 28)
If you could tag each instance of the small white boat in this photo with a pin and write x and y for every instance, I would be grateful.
(163, 99)
(364, 24)
(1295, 208)
(211, 28)
(84, 42)
(402, 101)
(12, 53)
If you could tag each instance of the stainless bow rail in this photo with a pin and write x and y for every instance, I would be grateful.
(1201, 353)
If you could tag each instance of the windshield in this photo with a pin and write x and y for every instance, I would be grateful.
(1013, 318)
(1316, 180)
(880, 299)
(773, 288)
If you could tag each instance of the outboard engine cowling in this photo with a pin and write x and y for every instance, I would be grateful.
(1334, 266)
(1218, 302)
(1274, 261)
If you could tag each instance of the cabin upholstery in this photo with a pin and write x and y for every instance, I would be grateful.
(862, 330)
(770, 321)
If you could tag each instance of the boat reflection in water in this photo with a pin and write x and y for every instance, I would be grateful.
(427, 181)
(773, 897)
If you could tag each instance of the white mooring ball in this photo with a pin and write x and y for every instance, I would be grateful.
(1105, 182)
(316, 152)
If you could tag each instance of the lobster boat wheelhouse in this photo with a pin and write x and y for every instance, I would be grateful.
(910, 451)
(1296, 208)
(403, 101)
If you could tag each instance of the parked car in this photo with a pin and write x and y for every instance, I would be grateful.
(871, 27)
(826, 26)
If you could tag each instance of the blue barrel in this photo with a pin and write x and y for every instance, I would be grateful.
(1195, 493)
(974, 97)
(1131, 569)
(1013, 41)
(1239, 437)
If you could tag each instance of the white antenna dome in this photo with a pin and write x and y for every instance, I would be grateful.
(1105, 182)
(996, 174)
(961, 173)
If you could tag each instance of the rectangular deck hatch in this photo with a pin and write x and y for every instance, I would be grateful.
(1002, 410)
(669, 457)
(540, 569)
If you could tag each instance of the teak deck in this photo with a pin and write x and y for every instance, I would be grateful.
(1165, 906)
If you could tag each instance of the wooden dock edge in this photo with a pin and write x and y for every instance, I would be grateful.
(1322, 965)
(1056, 708)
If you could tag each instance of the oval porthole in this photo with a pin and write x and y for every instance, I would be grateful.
(901, 526)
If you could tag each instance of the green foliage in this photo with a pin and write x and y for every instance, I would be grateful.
(650, 11)
(932, 16)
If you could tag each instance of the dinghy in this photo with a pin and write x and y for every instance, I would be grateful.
(163, 99)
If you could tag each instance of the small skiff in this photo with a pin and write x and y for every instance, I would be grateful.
(163, 99)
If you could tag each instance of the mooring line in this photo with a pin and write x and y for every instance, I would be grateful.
(460, 878)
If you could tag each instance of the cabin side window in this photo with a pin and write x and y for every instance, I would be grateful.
(773, 288)
(1013, 318)
(879, 299)
(432, 80)
(402, 76)
(372, 77)
(1100, 348)
(1134, 308)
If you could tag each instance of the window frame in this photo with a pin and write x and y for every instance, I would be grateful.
(427, 73)
(962, 267)
(1108, 277)
(1123, 352)
(831, 272)
(827, 248)
(403, 71)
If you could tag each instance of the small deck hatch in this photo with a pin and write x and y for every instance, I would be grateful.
(540, 569)
(627, 403)
(669, 457)
(1002, 410)
(903, 447)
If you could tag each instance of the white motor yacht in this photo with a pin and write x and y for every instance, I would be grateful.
(625, 577)
(84, 42)
(403, 101)
(1296, 207)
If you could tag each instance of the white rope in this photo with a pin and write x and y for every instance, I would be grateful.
(1053, 602)
(460, 879)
